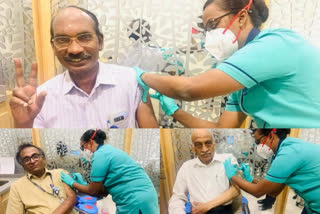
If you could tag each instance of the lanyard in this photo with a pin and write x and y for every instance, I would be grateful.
(55, 190)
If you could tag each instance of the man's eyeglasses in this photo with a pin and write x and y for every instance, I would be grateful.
(198, 145)
(34, 157)
(64, 41)
(213, 23)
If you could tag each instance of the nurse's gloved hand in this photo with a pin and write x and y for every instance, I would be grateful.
(78, 178)
(168, 104)
(246, 172)
(83, 160)
(139, 73)
(230, 169)
(67, 179)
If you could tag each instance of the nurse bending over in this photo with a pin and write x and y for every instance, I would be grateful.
(114, 171)
(271, 75)
(295, 163)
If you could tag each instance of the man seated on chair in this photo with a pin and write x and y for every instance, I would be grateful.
(41, 190)
(89, 93)
(204, 179)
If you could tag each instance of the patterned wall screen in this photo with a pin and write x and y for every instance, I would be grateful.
(16, 39)
(10, 139)
(300, 16)
(310, 135)
(145, 149)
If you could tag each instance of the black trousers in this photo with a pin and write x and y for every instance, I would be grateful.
(269, 200)
(221, 210)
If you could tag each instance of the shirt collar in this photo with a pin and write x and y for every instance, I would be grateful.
(253, 33)
(279, 144)
(200, 164)
(104, 77)
(47, 172)
(99, 146)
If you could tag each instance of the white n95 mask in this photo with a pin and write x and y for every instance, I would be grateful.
(264, 151)
(221, 45)
(86, 155)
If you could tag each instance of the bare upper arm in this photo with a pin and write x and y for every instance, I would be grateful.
(69, 191)
(211, 84)
(231, 119)
(145, 115)
(235, 187)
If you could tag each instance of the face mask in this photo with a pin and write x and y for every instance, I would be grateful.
(221, 45)
(86, 155)
(264, 151)
(221, 42)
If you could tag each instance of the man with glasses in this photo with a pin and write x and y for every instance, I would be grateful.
(40, 190)
(90, 93)
(204, 179)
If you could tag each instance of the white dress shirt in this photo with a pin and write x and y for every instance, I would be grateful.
(113, 101)
(202, 182)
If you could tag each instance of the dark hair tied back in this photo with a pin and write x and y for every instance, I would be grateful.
(281, 133)
(100, 136)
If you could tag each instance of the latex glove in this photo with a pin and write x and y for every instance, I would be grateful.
(78, 178)
(230, 169)
(145, 88)
(168, 104)
(67, 179)
(246, 172)
(83, 160)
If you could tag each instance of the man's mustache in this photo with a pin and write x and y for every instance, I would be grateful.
(73, 57)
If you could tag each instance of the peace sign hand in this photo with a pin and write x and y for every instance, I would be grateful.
(25, 104)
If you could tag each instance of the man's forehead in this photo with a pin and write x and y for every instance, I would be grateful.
(71, 12)
(28, 151)
(71, 15)
(200, 133)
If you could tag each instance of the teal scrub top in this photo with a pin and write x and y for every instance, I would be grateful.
(297, 164)
(280, 72)
(127, 182)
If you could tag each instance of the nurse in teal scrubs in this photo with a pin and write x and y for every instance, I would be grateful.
(296, 163)
(271, 75)
(114, 171)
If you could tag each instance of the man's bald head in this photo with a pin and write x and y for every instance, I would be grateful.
(75, 11)
(200, 132)
(203, 145)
